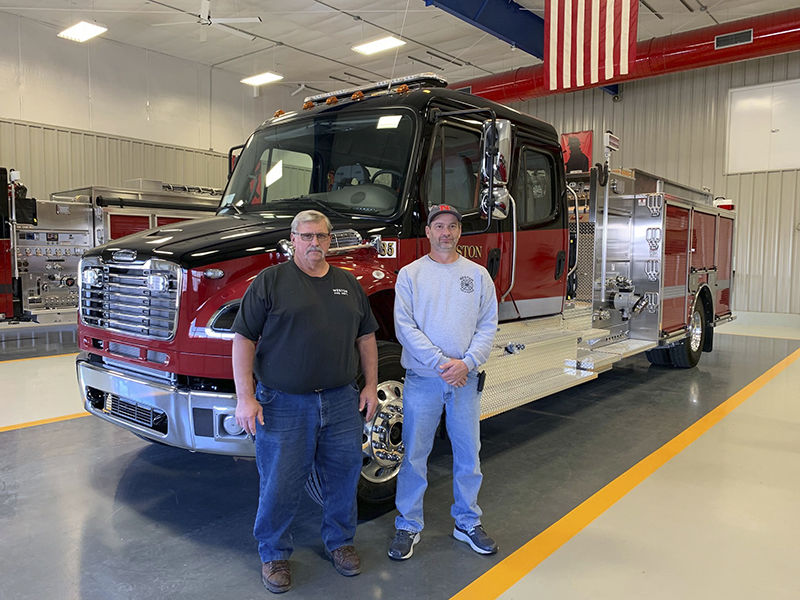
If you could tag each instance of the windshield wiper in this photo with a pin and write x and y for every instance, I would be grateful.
(235, 208)
(318, 203)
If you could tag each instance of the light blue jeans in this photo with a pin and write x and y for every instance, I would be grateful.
(424, 398)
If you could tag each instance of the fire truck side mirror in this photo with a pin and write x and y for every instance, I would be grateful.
(233, 156)
(496, 151)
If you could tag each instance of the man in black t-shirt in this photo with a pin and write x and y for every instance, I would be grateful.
(298, 329)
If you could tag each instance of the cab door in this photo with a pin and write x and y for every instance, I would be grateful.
(541, 258)
(452, 177)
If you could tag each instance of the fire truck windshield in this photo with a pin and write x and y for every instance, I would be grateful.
(349, 162)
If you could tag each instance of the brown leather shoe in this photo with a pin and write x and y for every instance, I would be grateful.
(346, 561)
(276, 576)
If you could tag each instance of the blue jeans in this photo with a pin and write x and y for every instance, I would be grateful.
(423, 401)
(322, 429)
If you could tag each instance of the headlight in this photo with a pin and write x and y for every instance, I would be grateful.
(91, 276)
(157, 282)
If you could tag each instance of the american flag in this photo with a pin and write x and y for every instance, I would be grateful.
(588, 41)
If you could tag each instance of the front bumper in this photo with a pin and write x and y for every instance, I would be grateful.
(162, 412)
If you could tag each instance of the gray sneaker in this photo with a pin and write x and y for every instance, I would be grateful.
(402, 546)
(477, 538)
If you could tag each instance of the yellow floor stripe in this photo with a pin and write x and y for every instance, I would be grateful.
(43, 422)
(37, 357)
(506, 573)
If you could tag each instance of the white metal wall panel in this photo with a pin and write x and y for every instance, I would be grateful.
(173, 112)
(227, 91)
(55, 75)
(124, 91)
(119, 90)
(9, 64)
(53, 159)
(676, 126)
(791, 193)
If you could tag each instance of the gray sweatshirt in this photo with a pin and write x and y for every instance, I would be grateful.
(444, 311)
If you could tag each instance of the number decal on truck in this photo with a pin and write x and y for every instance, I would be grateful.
(388, 250)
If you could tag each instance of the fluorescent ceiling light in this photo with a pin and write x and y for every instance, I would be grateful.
(379, 45)
(262, 78)
(82, 31)
(389, 122)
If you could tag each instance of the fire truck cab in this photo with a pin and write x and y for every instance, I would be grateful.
(586, 274)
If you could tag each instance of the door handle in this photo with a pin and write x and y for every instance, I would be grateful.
(561, 259)
(493, 262)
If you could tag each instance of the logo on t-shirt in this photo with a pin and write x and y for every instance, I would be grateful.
(467, 284)
(340, 292)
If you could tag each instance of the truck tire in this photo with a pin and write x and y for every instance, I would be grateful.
(659, 357)
(380, 464)
(382, 441)
(686, 353)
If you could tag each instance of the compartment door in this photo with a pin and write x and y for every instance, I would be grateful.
(722, 304)
(676, 268)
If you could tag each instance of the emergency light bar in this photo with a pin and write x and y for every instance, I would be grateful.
(418, 80)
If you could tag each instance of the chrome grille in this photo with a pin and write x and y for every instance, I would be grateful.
(344, 238)
(123, 301)
(135, 412)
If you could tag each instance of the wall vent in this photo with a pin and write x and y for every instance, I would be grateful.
(737, 38)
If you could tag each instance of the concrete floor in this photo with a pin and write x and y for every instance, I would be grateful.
(90, 511)
(717, 521)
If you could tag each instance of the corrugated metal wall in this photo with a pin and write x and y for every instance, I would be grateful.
(675, 126)
(52, 159)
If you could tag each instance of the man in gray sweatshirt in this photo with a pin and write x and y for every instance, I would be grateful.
(445, 316)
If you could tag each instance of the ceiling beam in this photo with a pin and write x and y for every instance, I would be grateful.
(765, 35)
(504, 19)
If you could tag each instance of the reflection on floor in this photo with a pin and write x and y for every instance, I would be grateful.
(90, 511)
(764, 325)
(28, 340)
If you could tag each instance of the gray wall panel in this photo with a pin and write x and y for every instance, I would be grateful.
(793, 193)
(676, 126)
(53, 159)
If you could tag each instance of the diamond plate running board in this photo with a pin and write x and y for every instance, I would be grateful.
(528, 362)
(497, 399)
(604, 358)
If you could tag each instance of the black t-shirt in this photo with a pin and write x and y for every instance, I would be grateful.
(305, 327)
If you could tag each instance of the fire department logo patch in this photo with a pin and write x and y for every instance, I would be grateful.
(467, 284)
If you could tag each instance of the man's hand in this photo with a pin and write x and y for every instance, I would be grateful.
(248, 409)
(368, 399)
(368, 352)
(454, 372)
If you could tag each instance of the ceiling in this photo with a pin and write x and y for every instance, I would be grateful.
(309, 41)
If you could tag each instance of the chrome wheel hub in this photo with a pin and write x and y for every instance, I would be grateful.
(382, 440)
(695, 332)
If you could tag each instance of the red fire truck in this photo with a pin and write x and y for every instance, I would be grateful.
(589, 268)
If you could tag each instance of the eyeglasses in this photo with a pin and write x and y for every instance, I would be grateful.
(307, 237)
